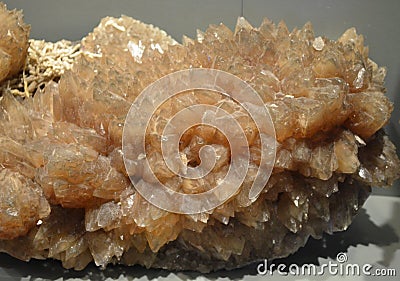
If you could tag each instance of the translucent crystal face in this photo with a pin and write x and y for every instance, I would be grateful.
(62, 149)
(14, 34)
(231, 118)
(189, 141)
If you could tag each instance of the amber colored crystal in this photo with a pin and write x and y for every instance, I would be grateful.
(62, 150)
(14, 35)
(22, 204)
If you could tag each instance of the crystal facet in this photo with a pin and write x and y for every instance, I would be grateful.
(65, 193)
(14, 35)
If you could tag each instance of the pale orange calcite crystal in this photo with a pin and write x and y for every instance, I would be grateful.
(62, 148)
(14, 35)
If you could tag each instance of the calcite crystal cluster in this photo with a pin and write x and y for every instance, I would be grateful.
(65, 192)
(14, 35)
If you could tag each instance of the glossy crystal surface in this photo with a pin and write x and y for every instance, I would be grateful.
(61, 149)
(14, 35)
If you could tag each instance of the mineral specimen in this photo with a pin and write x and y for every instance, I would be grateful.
(14, 35)
(61, 150)
(45, 62)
